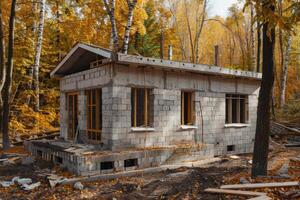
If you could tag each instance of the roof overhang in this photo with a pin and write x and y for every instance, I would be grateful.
(80, 53)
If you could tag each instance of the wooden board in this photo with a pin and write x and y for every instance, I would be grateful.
(261, 185)
(233, 192)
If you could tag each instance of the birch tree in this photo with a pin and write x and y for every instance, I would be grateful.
(38, 50)
(284, 72)
(199, 28)
(252, 38)
(110, 9)
(131, 5)
(8, 78)
(2, 63)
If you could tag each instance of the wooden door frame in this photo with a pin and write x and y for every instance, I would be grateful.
(68, 96)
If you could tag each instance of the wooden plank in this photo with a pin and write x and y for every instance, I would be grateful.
(261, 198)
(233, 192)
(288, 128)
(261, 185)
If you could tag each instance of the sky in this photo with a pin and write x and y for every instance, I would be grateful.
(219, 7)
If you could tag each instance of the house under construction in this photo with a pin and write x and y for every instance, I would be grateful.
(123, 112)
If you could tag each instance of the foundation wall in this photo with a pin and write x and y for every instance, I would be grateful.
(102, 162)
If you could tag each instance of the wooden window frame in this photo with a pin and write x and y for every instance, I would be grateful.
(94, 134)
(229, 109)
(147, 122)
(190, 110)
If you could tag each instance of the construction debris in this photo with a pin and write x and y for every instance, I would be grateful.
(30, 186)
(283, 171)
(55, 179)
(28, 160)
(243, 180)
(24, 183)
(294, 167)
(280, 129)
(6, 183)
(234, 157)
(78, 186)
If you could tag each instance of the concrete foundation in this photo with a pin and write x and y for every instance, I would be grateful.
(85, 160)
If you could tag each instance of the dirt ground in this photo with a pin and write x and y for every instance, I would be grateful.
(182, 183)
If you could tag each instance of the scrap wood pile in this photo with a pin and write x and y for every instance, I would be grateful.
(282, 182)
(19, 139)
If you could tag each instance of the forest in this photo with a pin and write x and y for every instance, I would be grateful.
(45, 30)
(256, 36)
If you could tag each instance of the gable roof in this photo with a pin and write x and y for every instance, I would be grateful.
(83, 53)
(77, 56)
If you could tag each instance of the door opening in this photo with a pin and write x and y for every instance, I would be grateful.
(72, 115)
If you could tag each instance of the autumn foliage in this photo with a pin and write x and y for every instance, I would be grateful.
(156, 24)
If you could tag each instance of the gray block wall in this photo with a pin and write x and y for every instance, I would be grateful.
(116, 83)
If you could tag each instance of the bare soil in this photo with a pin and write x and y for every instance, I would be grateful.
(182, 183)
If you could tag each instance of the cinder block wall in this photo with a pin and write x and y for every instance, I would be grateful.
(116, 83)
(210, 91)
(80, 82)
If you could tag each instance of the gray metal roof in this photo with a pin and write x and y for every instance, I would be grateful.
(82, 54)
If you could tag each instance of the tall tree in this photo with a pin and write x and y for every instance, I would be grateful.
(199, 28)
(192, 16)
(261, 145)
(8, 80)
(2, 63)
(258, 46)
(110, 9)
(38, 50)
(131, 5)
(252, 38)
(284, 72)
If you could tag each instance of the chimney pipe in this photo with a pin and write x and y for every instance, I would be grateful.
(216, 55)
(170, 52)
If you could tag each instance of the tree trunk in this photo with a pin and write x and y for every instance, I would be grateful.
(37, 58)
(30, 71)
(198, 34)
(258, 47)
(131, 6)
(190, 32)
(261, 145)
(8, 81)
(285, 71)
(2, 63)
(111, 14)
(253, 60)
